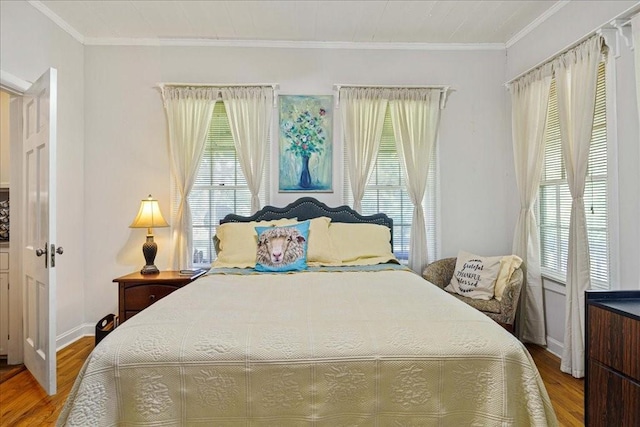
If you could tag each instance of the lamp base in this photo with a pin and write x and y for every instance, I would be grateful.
(149, 250)
(149, 269)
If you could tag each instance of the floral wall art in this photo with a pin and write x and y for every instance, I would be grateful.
(306, 136)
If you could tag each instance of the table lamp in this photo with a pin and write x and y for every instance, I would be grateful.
(149, 216)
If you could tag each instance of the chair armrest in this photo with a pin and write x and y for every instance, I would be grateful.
(511, 297)
(440, 272)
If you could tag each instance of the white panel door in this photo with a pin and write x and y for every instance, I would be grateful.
(39, 233)
(4, 301)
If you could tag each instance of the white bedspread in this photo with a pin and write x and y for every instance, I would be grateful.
(309, 349)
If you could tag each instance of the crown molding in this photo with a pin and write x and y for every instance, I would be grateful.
(281, 44)
(57, 20)
(287, 44)
(536, 22)
(12, 83)
(113, 41)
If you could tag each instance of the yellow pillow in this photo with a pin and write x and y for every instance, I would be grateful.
(373, 260)
(239, 242)
(320, 250)
(508, 265)
(361, 244)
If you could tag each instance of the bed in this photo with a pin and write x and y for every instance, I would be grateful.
(357, 345)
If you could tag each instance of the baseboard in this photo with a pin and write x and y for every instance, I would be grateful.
(554, 346)
(73, 335)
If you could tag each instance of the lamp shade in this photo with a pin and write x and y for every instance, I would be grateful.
(149, 215)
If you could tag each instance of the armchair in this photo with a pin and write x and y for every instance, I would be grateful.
(504, 312)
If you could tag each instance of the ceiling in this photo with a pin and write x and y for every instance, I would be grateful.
(419, 22)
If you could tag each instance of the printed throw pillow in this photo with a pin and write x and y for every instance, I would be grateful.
(282, 248)
(474, 276)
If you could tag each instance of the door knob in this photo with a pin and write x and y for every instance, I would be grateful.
(59, 250)
(40, 252)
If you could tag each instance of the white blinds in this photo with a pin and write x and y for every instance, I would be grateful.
(220, 187)
(385, 192)
(554, 204)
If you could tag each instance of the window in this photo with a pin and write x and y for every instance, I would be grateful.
(220, 187)
(554, 203)
(386, 192)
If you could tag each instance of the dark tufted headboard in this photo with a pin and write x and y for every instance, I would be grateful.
(306, 208)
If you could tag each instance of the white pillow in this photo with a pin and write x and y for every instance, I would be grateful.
(474, 276)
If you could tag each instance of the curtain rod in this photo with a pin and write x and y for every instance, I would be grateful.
(275, 86)
(549, 59)
(442, 87)
(444, 90)
(627, 13)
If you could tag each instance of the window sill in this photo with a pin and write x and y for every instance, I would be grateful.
(554, 277)
(555, 282)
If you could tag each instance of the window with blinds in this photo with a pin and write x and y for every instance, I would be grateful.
(385, 192)
(220, 187)
(554, 203)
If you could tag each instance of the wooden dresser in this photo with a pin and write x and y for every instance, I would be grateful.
(138, 291)
(612, 380)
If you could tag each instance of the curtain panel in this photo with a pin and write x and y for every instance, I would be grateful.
(363, 111)
(529, 103)
(576, 76)
(249, 112)
(189, 111)
(415, 116)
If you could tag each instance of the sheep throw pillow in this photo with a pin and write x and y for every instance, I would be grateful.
(282, 248)
(474, 276)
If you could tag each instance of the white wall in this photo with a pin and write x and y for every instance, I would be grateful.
(571, 23)
(112, 135)
(126, 156)
(29, 44)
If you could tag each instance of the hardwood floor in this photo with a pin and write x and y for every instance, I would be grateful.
(8, 371)
(23, 403)
(566, 392)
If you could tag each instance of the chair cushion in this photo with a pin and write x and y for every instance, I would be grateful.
(488, 306)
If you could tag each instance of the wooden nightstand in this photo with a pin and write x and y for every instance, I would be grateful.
(138, 291)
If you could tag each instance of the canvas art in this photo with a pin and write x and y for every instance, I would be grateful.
(306, 137)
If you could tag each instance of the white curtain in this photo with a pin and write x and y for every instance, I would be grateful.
(363, 111)
(529, 102)
(249, 113)
(189, 113)
(415, 116)
(576, 76)
(635, 27)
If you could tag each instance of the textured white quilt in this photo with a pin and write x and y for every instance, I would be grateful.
(309, 349)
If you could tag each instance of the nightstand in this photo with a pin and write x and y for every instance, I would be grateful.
(138, 291)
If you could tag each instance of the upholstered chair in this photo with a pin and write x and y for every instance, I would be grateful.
(504, 312)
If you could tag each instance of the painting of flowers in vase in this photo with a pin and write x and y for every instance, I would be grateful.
(306, 126)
